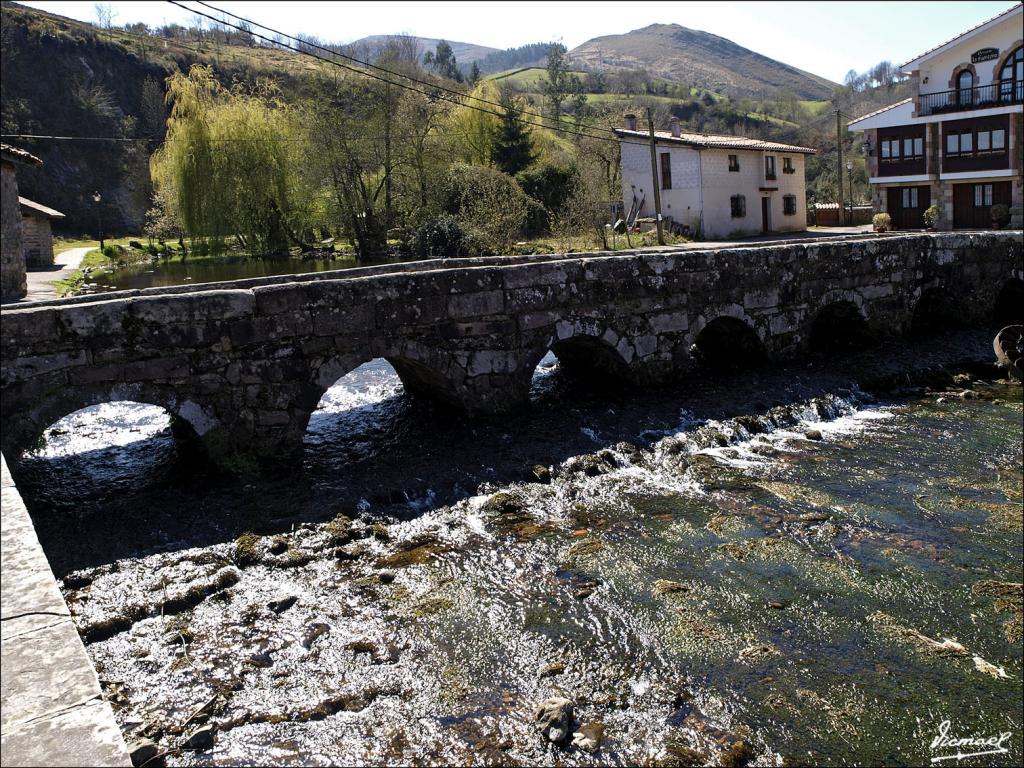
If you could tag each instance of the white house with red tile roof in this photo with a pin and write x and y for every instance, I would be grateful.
(957, 141)
(716, 185)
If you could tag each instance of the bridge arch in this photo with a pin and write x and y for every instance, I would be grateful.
(587, 350)
(840, 324)
(729, 341)
(1009, 306)
(191, 422)
(938, 309)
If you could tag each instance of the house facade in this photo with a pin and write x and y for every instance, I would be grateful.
(715, 186)
(36, 232)
(957, 141)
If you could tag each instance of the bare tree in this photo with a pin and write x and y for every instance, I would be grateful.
(105, 15)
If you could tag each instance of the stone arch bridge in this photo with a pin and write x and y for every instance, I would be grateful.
(245, 363)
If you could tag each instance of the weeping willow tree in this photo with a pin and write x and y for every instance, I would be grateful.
(229, 164)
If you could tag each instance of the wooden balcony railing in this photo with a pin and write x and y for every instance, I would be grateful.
(979, 97)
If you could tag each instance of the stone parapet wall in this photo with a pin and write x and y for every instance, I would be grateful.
(246, 365)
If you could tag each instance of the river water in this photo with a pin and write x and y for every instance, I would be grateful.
(700, 575)
(158, 273)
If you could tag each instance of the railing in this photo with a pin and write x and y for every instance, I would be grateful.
(979, 97)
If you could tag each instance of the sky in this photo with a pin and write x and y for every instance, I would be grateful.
(823, 37)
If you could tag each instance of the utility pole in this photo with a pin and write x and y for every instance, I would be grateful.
(839, 164)
(654, 177)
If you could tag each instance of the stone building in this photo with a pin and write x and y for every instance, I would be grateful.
(12, 255)
(36, 233)
(716, 186)
(956, 142)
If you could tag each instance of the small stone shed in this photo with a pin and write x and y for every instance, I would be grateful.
(12, 256)
(36, 233)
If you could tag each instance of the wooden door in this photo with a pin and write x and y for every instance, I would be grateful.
(765, 214)
(972, 206)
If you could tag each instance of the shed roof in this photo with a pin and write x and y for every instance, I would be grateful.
(716, 141)
(16, 155)
(32, 208)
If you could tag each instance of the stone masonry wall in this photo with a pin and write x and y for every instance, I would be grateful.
(246, 366)
(12, 262)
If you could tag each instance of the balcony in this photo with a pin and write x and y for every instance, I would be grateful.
(964, 99)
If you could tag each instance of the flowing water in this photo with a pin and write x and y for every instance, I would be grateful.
(776, 568)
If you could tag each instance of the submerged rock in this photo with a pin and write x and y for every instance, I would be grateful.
(553, 719)
(541, 473)
(143, 751)
(200, 738)
(282, 604)
(589, 737)
(813, 434)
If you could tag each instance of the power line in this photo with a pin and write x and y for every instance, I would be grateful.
(367, 64)
(436, 92)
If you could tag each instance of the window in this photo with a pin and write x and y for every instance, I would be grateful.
(982, 195)
(909, 148)
(769, 168)
(984, 139)
(787, 165)
(738, 204)
(959, 143)
(734, 163)
(789, 205)
(666, 170)
(908, 197)
(998, 139)
(1011, 78)
(965, 86)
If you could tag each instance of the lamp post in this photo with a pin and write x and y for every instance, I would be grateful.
(99, 217)
(849, 175)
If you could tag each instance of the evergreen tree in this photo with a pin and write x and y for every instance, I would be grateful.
(512, 147)
(474, 74)
(442, 61)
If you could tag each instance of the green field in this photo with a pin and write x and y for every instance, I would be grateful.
(526, 77)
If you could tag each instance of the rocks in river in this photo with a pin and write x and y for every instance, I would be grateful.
(282, 604)
(1009, 349)
(387, 653)
(968, 394)
(553, 719)
(758, 651)
(552, 669)
(200, 738)
(589, 737)
(278, 546)
(590, 464)
(990, 669)
(666, 587)
(813, 434)
(261, 660)
(313, 633)
(143, 751)
(541, 473)
(738, 755)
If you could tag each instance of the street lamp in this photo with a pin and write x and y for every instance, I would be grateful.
(99, 219)
(849, 175)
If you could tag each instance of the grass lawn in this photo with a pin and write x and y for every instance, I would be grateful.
(587, 242)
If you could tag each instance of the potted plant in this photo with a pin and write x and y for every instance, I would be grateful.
(882, 222)
(931, 216)
(1000, 215)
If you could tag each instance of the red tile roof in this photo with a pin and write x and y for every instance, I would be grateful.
(957, 37)
(716, 141)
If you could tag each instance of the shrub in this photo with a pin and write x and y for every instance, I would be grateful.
(882, 222)
(438, 238)
(1000, 215)
(932, 216)
(549, 184)
(492, 209)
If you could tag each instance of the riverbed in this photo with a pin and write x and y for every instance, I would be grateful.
(808, 565)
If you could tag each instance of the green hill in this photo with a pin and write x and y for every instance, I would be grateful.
(678, 54)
